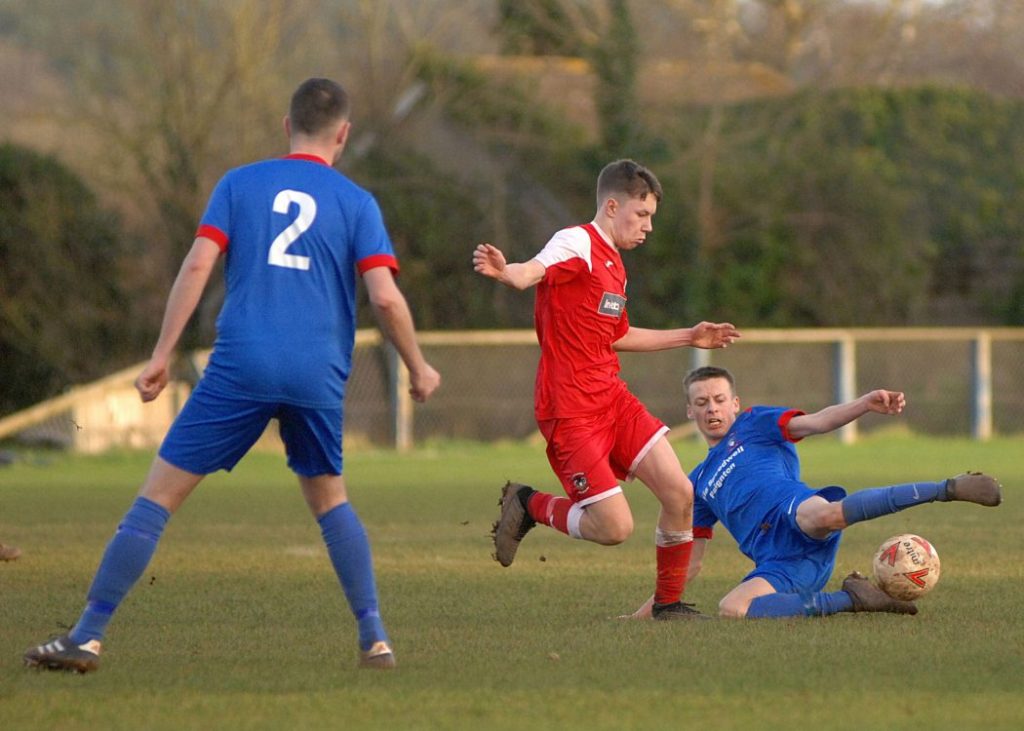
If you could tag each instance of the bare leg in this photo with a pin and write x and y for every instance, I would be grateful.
(168, 485)
(323, 492)
(736, 603)
(608, 521)
(661, 472)
(818, 518)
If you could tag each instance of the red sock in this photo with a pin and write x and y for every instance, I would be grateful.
(550, 510)
(673, 565)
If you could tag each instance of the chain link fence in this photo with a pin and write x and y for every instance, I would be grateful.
(958, 381)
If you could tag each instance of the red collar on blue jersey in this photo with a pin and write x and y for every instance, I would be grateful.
(309, 158)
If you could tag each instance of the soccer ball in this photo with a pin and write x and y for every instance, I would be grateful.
(906, 567)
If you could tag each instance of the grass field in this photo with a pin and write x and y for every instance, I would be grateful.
(239, 622)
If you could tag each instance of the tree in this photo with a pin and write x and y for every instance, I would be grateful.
(64, 315)
(615, 58)
(536, 28)
(858, 206)
(603, 34)
(171, 93)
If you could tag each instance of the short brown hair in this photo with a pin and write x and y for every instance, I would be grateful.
(629, 178)
(706, 373)
(317, 104)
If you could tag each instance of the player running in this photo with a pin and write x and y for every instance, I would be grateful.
(294, 232)
(597, 432)
(750, 482)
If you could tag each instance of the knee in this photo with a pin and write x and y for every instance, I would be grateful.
(831, 522)
(732, 608)
(616, 531)
(818, 519)
(679, 498)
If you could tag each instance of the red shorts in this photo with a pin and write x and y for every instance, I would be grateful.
(590, 454)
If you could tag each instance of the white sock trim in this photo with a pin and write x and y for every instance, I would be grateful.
(667, 538)
(573, 520)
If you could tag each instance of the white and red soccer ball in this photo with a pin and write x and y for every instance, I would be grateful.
(906, 567)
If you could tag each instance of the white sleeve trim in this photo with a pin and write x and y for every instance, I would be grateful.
(569, 243)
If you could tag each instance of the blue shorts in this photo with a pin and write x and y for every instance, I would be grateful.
(789, 559)
(213, 432)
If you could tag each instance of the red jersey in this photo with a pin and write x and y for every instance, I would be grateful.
(579, 312)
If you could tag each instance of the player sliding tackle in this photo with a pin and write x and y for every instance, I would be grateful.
(597, 432)
(750, 482)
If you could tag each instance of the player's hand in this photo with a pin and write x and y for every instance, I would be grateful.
(488, 260)
(885, 402)
(713, 334)
(646, 611)
(423, 383)
(152, 380)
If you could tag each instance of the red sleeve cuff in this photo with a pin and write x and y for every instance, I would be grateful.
(377, 260)
(703, 531)
(214, 234)
(784, 420)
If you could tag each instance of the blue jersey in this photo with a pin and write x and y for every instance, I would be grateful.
(295, 231)
(747, 475)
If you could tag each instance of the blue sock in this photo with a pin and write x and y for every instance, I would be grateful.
(349, 549)
(126, 557)
(877, 501)
(806, 604)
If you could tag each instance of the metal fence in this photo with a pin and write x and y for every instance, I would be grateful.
(958, 381)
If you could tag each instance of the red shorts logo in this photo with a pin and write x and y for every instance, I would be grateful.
(579, 481)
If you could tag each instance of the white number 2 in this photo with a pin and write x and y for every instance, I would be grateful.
(307, 212)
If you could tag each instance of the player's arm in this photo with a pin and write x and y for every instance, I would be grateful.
(489, 261)
(181, 304)
(700, 548)
(831, 418)
(706, 335)
(395, 320)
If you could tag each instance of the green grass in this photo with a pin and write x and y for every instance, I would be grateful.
(239, 622)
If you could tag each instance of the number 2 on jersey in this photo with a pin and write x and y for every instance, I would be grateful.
(278, 255)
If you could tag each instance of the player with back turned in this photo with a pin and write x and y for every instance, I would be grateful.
(294, 233)
(597, 432)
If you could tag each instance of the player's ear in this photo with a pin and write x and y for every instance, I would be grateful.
(287, 126)
(342, 136)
